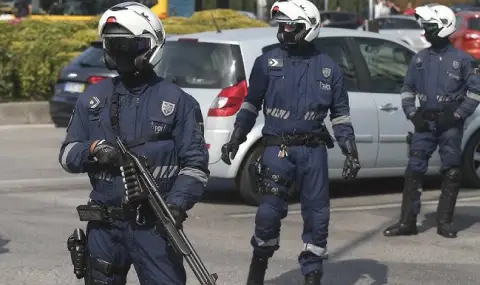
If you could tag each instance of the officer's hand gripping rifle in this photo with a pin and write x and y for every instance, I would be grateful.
(176, 236)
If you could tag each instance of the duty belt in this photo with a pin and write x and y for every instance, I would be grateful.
(101, 213)
(309, 140)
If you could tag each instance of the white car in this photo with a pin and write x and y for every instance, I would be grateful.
(214, 68)
(404, 28)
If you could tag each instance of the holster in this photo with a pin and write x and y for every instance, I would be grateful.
(409, 142)
(261, 172)
(77, 246)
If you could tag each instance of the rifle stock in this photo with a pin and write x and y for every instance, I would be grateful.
(165, 218)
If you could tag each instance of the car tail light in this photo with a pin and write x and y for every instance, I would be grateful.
(95, 79)
(229, 101)
(360, 21)
(472, 36)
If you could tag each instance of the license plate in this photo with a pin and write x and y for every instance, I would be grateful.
(74, 87)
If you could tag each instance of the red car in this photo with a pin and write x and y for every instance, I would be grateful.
(467, 36)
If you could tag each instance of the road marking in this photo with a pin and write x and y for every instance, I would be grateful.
(26, 126)
(31, 182)
(362, 208)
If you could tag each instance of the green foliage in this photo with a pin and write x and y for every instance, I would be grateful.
(33, 52)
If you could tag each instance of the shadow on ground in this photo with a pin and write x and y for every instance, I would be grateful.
(462, 221)
(3, 243)
(347, 272)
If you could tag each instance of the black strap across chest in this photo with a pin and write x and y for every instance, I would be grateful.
(115, 120)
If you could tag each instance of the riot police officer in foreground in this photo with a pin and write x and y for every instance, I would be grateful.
(447, 84)
(297, 86)
(157, 121)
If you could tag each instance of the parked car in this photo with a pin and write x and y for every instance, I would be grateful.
(405, 28)
(333, 19)
(467, 35)
(87, 68)
(213, 67)
(465, 7)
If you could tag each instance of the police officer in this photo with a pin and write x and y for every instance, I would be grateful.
(446, 83)
(297, 86)
(157, 121)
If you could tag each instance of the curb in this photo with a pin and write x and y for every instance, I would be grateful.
(18, 113)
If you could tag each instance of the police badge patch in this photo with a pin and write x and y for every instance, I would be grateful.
(326, 72)
(94, 102)
(167, 108)
(455, 64)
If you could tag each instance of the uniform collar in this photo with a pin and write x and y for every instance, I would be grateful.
(135, 87)
(441, 50)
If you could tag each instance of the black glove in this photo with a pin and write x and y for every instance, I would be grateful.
(420, 124)
(446, 120)
(134, 192)
(352, 164)
(106, 153)
(178, 214)
(230, 149)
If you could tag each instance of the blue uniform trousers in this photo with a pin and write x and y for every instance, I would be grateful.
(308, 167)
(122, 244)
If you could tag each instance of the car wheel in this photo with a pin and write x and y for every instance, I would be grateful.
(246, 182)
(471, 162)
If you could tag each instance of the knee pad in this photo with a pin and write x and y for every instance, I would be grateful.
(452, 175)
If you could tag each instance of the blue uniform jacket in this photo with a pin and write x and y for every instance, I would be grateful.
(451, 75)
(159, 109)
(296, 91)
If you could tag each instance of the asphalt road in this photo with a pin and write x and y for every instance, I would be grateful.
(37, 214)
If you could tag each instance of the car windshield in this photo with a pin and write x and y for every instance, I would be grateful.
(91, 57)
(398, 24)
(193, 64)
(474, 24)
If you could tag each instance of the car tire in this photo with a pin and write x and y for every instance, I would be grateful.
(470, 177)
(246, 181)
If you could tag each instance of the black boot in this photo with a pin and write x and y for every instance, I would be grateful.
(258, 268)
(313, 278)
(446, 203)
(408, 220)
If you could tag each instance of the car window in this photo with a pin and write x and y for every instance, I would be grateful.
(387, 63)
(459, 22)
(339, 54)
(398, 24)
(91, 57)
(193, 64)
(473, 24)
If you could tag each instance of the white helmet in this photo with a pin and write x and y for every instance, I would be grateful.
(437, 19)
(132, 27)
(299, 13)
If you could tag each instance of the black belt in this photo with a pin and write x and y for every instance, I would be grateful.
(431, 115)
(310, 140)
(101, 213)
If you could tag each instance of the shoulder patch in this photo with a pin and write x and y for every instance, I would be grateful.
(326, 72)
(167, 108)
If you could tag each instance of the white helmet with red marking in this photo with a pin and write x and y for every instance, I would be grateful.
(298, 17)
(132, 20)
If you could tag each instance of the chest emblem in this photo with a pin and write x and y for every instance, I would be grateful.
(455, 64)
(326, 72)
(167, 108)
(275, 62)
(93, 103)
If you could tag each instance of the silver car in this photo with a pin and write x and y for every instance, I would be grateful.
(214, 68)
(404, 28)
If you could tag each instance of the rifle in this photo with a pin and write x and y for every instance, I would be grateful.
(176, 236)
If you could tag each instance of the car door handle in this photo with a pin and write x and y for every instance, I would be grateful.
(388, 107)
